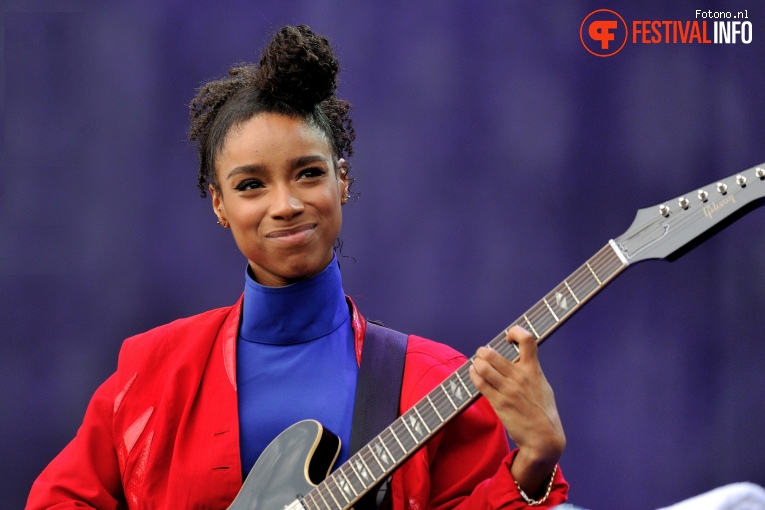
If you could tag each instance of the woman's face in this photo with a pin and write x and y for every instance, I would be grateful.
(281, 194)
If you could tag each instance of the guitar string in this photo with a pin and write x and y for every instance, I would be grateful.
(605, 264)
(405, 433)
(598, 263)
(543, 319)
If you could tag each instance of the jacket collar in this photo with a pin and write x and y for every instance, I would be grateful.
(230, 329)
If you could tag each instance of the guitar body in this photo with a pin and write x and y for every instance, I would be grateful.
(290, 467)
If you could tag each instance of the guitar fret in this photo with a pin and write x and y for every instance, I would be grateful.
(444, 405)
(381, 454)
(331, 492)
(447, 395)
(516, 351)
(369, 465)
(407, 438)
(321, 502)
(508, 350)
(415, 426)
(593, 273)
(358, 475)
(397, 440)
(434, 408)
(373, 467)
(305, 500)
(459, 378)
(543, 321)
(382, 468)
(586, 291)
(531, 326)
(422, 420)
(391, 446)
(558, 300)
(571, 292)
(410, 431)
(426, 414)
(348, 485)
(614, 264)
(608, 263)
(584, 283)
(363, 469)
(325, 501)
(604, 262)
(551, 310)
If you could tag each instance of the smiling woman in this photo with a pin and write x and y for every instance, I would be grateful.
(280, 193)
(272, 140)
(194, 403)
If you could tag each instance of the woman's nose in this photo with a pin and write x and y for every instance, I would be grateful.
(286, 205)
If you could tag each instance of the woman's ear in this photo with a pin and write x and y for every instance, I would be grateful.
(218, 208)
(343, 181)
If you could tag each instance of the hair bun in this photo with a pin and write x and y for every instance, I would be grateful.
(297, 68)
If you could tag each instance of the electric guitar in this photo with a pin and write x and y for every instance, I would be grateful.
(293, 472)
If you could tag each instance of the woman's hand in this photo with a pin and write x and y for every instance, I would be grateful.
(524, 401)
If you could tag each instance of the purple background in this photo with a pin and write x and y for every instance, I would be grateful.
(494, 156)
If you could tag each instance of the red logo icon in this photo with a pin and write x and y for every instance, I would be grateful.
(603, 33)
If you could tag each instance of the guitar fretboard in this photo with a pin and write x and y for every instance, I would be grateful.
(375, 461)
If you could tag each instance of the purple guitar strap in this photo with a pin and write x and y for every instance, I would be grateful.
(378, 395)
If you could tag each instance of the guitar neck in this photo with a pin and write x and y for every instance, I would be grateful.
(662, 232)
(665, 231)
(381, 456)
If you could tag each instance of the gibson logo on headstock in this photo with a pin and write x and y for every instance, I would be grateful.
(712, 208)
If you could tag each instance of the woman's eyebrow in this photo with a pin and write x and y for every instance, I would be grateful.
(246, 169)
(307, 160)
(256, 168)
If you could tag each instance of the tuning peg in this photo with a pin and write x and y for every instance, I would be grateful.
(722, 188)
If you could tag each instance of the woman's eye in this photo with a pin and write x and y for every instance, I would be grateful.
(311, 172)
(248, 184)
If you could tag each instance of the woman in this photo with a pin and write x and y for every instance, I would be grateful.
(194, 403)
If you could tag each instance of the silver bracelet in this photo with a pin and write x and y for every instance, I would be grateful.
(537, 502)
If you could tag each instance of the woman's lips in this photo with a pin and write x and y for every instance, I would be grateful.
(293, 235)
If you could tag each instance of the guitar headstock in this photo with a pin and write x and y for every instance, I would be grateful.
(669, 229)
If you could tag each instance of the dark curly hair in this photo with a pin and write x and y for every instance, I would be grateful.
(296, 76)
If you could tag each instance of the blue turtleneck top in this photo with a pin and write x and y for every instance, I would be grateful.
(295, 360)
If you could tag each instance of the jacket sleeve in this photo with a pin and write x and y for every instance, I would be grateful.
(471, 467)
(86, 473)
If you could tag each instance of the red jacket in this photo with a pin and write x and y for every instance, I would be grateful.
(162, 431)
